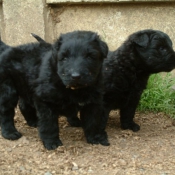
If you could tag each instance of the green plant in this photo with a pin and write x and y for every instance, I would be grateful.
(159, 96)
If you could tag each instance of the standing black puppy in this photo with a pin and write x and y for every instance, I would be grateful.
(126, 71)
(54, 81)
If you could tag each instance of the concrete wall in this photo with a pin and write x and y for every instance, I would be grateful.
(20, 18)
(114, 22)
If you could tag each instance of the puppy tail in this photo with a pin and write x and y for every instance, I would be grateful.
(39, 39)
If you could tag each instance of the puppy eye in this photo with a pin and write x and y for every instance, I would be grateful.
(162, 49)
(64, 56)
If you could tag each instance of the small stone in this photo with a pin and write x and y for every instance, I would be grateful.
(22, 168)
(90, 170)
(48, 173)
(114, 165)
(122, 162)
(142, 169)
(136, 138)
(75, 166)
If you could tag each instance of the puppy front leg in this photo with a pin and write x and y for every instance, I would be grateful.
(127, 112)
(92, 122)
(48, 124)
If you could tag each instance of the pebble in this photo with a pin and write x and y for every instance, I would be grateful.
(122, 162)
(48, 173)
(90, 170)
(22, 168)
(75, 166)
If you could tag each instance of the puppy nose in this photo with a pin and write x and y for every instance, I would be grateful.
(76, 76)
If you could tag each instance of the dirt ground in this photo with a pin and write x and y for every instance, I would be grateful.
(151, 151)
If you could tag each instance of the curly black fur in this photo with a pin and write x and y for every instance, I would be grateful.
(52, 80)
(127, 69)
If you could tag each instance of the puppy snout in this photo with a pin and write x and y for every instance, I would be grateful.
(75, 76)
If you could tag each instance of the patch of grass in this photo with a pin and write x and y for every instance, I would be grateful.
(159, 96)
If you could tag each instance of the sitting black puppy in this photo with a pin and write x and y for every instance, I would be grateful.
(126, 71)
(51, 81)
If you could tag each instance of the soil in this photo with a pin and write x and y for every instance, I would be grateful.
(151, 151)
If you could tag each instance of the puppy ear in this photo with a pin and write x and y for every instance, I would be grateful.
(58, 43)
(141, 40)
(56, 47)
(104, 49)
(103, 46)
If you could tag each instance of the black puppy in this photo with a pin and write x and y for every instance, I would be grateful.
(71, 115)
(126, 71)
(54, 81)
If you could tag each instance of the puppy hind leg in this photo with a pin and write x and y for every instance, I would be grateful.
(74, 121)
(71, 115)
(8, 102)
(28, 112)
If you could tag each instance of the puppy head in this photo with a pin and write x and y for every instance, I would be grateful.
(79, 56)
(155, 50)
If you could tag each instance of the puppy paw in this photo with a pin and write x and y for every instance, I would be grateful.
(98, 139)
(52, 144)
(12, 135)
(132, 126)
(75, 122)
(104, 142)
